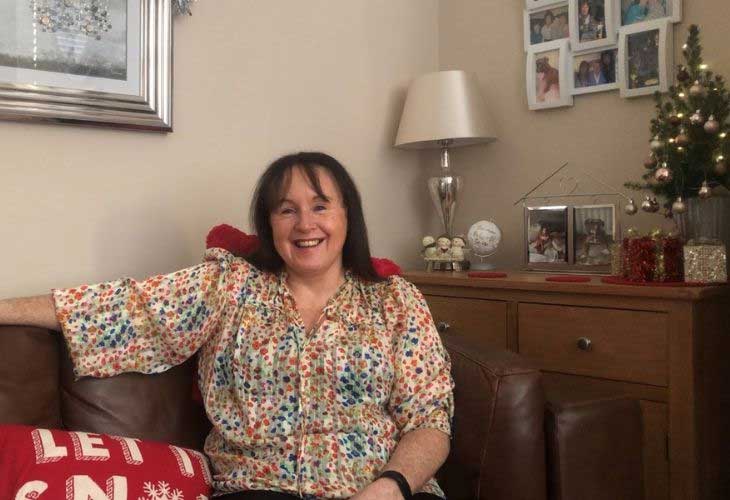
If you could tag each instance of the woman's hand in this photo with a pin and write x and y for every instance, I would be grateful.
(380, 489)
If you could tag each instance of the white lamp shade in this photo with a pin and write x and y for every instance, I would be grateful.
(445, 105)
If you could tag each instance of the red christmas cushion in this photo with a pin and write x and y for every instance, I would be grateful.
(54, 464)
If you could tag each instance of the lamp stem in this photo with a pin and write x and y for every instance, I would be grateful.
(445, 161)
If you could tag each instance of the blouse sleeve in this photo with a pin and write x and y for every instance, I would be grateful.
(146, 326)
(422, 395)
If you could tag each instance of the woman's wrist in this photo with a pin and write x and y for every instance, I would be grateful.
(398, 481)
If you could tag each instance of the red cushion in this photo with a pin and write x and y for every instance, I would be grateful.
(55, 464)
(241, 244)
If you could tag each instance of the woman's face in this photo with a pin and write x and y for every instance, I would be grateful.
(585, 9)
(309, 231)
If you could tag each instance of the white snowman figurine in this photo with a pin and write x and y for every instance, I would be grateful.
(444, 248)
(429, 247)
(457, 248)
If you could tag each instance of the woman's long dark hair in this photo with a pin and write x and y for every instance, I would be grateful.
(269, 191)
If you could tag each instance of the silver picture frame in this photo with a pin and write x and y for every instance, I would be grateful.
(146, 106)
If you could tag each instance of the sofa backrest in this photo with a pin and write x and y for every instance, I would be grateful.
(37, 388)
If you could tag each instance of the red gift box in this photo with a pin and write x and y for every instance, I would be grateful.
(653, 258)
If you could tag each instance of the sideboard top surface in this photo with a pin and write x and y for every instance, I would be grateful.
(520, 280)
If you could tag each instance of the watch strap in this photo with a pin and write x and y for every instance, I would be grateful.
(400, 480)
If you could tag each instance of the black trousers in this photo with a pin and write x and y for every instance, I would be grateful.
(275, 495)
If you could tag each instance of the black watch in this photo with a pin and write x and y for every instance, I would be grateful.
(403, 486)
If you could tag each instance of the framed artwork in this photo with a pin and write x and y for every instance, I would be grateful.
(595, 71)
(592, 24)
(639, 11)
(92, 62)
(538, 4)
(546, 25)
(548, 76)
(546, 236)
(645, 58)
(594, 230)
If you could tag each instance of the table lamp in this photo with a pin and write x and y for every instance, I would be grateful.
(444, 109)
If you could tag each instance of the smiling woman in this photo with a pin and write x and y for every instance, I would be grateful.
(320, 378)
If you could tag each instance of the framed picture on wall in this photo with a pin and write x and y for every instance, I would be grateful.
(595, 71)
(538, 4)
(546, 25)
(645, 58)
(546, 236)
(93, 62)
(548, 76)
(594, 230)
(639, 11)
(592, 24)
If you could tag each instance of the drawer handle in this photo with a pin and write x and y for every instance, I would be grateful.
(584, 344)
(442, 327)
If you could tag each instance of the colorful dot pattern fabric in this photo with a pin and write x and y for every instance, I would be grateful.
(316, 413)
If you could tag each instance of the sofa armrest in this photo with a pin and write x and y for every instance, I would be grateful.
(498, 448)
(29, 376)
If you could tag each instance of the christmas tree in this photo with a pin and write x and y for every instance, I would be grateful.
(690, 146)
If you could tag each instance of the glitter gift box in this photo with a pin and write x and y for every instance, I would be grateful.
(705, 263)
(652, 258)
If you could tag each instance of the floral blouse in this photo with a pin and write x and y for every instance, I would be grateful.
(313, 413)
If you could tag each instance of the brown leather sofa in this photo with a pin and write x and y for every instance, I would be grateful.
(502, 448)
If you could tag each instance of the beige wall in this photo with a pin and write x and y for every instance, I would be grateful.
(253, 80)
(601, 133)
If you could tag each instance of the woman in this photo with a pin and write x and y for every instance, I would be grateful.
(582, 77)
(547, 27)
(321, 380)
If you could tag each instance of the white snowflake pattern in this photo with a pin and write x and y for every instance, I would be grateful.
(162, 491)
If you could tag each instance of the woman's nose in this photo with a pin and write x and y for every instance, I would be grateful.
(305, 221)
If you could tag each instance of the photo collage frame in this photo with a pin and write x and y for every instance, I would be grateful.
(577, 47)
(577, 237)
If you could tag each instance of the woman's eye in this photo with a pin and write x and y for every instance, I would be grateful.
(286, 211)
(319, 208)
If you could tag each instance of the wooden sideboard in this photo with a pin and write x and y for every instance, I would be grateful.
(668, 347)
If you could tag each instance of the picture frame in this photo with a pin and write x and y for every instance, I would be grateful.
(631, 12)
(547, 237)
(539, 4)
(592, 24)
(594, 229)
(534, 24)
(113, 70)
(548, 76)
(591, 80)
(645, 58)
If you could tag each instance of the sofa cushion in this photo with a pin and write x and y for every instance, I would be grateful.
(29, 376)
(42, 463)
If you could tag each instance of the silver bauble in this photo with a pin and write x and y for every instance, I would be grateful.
(720, 167)
(712, 126)
(679, 206)
(705, 191)
(696, 118)
(696, 89)
(650, 204)
(663, 174)
(656, 144)
(630, 207)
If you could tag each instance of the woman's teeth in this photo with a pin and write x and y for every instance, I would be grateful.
(307, 243)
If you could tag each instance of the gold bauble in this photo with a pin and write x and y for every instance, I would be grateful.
(705, 191)
(720, 167)
(663, 174)
(679, 206)
(696, 89)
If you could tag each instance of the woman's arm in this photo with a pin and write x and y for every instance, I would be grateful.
(30, 311)
(418, 456)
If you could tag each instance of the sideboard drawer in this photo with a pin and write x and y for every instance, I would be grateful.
(614, 344)
(485, 319)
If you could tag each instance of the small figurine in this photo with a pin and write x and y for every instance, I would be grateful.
(457, 248)
(429, 247)
(444, 248)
